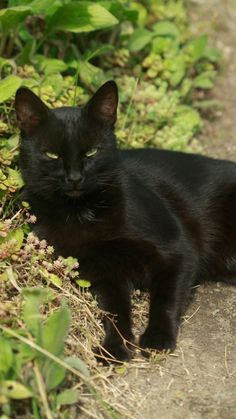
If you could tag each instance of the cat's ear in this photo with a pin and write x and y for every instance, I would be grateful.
(103, 105)
(30, 110)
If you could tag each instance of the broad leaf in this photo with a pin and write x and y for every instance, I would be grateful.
(166, 28)
(77, 364)
(81, 17)
(12, 16)
(50, 65)
(53, 373)
(45, 7)
(55, 331)
(139, 39)
(83, 283)
(196, 48)
(69, 396)
(204, 80)
(6, 355)
(15, 390)
(55, 279)
(89, 73)
(35, 297)
(9, 86)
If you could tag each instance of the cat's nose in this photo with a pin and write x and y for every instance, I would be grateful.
(75, 178)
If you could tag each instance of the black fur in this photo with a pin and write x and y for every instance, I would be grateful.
(158, 220)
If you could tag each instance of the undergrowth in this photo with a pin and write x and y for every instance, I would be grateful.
(64, 50)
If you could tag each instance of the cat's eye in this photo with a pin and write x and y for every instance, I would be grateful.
(52, 155)
(91, 152)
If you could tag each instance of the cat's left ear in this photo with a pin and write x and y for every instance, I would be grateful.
(103, 105)
(30, 110)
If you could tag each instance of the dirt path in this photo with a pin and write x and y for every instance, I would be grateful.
(199, 380)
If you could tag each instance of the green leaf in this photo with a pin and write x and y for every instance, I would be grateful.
(69, 396)
(25, 353)
(55, 279)
(81, 17)
(15, 390)
(15, 178)
(212, 54)
(55, 331)
(12, 16)
(50, 65)
(53, 374)
(142, 13)
(17, 235)
(208, 104)
(83, 283)
(35, 297)
(196, 48)
(55, 81)
(77, 364)
(89, 73)
(140, 39)
(70, 261)
(166, 28)
(9, 86)
(121, 370)
(13, 141)
(46, 7)
(6, 355)
(96, 52)
(204, 80)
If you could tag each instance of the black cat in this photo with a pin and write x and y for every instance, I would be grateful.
(157, 220)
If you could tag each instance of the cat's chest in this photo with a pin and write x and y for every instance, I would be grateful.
(101, 249)
(71, 236)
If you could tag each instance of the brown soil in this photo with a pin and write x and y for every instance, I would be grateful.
(199, 379)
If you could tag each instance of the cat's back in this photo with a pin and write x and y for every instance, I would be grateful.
(193, 172)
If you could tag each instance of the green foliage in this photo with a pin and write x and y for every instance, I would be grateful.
(49, 334)
(63, 50)
(81, 17)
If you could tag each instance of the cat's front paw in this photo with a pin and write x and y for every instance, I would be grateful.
(160, 341)
(113, 353)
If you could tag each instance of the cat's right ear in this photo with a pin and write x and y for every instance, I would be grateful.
(30, 110)
(103, 105)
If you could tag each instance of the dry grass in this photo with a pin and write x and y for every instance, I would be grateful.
(106, 393)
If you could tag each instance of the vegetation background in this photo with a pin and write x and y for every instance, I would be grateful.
(64, 50)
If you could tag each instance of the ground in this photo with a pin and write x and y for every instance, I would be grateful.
(199, 379)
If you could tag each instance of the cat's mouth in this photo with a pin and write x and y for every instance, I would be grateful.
(75, 193)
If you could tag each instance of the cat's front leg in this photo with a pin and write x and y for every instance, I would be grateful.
(168, 295)
(115, 300)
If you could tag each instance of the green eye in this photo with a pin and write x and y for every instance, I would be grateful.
(52, 155)
(91, 152)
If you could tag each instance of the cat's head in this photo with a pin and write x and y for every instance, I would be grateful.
(70, 151)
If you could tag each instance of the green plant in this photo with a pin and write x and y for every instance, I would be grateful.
(38, 348)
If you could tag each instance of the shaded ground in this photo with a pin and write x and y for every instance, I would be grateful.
(199, 380)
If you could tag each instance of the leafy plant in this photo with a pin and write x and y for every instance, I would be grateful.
(40, 343)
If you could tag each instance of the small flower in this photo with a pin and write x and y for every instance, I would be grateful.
(50, 250)
(30, 238)
(32, 219)
(76, 265)
(58, 264)
(29, 247)
(43, 244)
